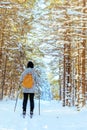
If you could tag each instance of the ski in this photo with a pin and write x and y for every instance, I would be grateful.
(29, 115)
(24, 116)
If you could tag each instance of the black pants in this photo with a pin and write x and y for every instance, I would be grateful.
(25, 100)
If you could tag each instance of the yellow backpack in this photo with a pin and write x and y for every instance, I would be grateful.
(28, 81)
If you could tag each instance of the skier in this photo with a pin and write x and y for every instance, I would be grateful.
(29, 92)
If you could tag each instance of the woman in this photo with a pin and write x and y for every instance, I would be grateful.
(29, 91)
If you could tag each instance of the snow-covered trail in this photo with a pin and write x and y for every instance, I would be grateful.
(53, 116)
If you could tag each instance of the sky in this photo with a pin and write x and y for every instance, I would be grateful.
(52, 116)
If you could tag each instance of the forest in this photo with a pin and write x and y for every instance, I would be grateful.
(51, 33)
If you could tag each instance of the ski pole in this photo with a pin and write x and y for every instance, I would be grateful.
(17, 100)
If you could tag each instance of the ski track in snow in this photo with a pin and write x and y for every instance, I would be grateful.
(52, 116)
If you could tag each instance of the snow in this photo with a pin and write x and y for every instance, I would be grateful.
(52, 116)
